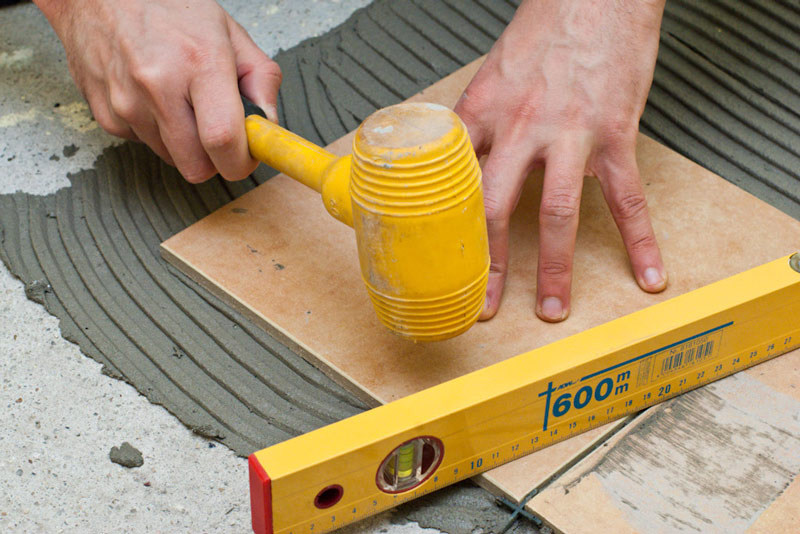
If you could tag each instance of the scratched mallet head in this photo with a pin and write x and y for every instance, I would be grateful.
(412, 192)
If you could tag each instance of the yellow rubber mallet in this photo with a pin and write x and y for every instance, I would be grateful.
(412, 191)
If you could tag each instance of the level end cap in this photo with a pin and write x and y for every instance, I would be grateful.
(260, 497)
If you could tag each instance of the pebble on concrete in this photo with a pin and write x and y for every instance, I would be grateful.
(70, 150)
(126, 455)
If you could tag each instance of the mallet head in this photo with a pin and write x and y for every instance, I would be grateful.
(417, 207)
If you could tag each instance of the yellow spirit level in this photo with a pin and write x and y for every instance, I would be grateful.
(378, 459)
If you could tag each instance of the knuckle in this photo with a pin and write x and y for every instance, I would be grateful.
(473, 102)
(218, 136)
(273, 70)
(618, 133)
(124, 106)
(196, 53)
(105, 123)
(559, 206)
(496, 210)
(554, 268)
(197, 173)
(629, 206)
(239, 174)
(527, 110)
(110, 126)
(497, 265)
(115, 130)
(643, 242)
(148, 76)
(466, 110)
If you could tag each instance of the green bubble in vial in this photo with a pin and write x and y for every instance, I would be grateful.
(405, 460)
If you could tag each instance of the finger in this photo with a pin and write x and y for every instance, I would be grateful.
(124, 106)
(179, 132)
(622, 189)
(150, 135)
(478, 135)
(503, 176)
(558, 228)
(101, 110)
(259, 76)
(219, 114)
(168, 126)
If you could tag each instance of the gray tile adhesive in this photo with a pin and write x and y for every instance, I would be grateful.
(726, 94)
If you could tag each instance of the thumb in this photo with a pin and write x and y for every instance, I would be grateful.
(259, 76)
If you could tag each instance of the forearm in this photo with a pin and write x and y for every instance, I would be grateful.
(648, 13)
(53, 10)
(624, 24)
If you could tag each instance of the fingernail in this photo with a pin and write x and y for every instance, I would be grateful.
(552, 309)
(271, 112)
(486, 311)
(652, 278)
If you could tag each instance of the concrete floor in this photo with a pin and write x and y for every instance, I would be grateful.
(61, 415)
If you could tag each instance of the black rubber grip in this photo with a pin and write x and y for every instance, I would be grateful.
(251, 109)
